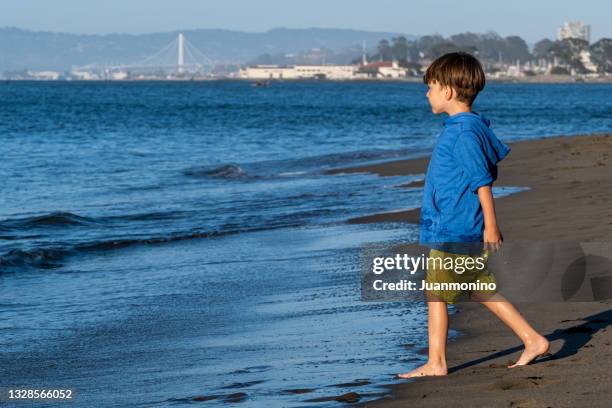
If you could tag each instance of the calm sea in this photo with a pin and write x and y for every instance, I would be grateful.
(164, 241)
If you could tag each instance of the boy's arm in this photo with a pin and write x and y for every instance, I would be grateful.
(492, 236)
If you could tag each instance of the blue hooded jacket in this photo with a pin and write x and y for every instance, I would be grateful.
(465, 158)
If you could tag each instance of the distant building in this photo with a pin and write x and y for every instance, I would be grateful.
(83, 75)
(299, 72)
(574, 29)
(118, 75)
(382, 69)
(45, 75)
(585, 58)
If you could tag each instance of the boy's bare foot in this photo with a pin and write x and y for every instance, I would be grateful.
(425, 370)
(532, 351)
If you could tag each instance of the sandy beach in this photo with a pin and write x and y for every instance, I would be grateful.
(570, 179)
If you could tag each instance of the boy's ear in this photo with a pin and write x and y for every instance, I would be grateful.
(448, 92)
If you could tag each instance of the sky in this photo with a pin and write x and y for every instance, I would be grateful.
(531, 19)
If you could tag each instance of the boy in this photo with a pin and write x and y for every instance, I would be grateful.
(458, 213)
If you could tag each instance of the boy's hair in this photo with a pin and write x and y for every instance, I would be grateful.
(459, 70)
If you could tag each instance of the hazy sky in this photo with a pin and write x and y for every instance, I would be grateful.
(531, 19)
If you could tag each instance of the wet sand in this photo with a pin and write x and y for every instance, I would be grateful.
(570, 181)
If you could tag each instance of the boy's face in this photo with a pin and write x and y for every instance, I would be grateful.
(438, 97)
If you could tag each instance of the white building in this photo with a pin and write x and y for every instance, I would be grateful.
(574, 29)
(585, 58)
(118, 75)
(299, 72)
(83, 75)
(383, 69)
(45, 75)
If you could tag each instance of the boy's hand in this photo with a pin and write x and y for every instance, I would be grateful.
(492, 238)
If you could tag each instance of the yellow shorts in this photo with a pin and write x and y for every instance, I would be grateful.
(447, 271)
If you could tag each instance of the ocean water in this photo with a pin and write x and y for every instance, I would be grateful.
(161, 242)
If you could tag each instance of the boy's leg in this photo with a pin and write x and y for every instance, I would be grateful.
(535, 344)
(437, 313)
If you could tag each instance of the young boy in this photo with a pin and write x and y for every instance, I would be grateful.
(458, 212)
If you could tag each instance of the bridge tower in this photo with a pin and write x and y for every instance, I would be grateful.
(181, 52)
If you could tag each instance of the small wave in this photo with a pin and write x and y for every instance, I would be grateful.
(333, 159)
(53, 219)
(66, 219)
(44, 258)
(152, 216)
(127, 242)
(227, 171)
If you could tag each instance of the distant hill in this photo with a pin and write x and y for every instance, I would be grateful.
(42, 50)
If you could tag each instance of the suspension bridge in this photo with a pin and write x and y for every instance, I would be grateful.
(179, 57)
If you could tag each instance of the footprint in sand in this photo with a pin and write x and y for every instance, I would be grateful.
(518, 384)
(533, 381)
(530, 403)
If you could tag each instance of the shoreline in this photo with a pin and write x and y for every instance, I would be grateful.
(569, 179)
(569, 158)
